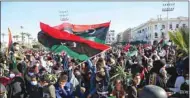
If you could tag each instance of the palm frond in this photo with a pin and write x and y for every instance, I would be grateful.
(185, 34)
(119, 73)
(180, 39)
(114, 76)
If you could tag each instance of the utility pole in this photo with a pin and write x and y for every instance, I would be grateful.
(168, 7)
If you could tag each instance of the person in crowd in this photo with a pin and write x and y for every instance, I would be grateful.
(100, 78)
(36, 73)
(158, 74)
(138, 68)
(118, 91)
(3, 79)
(29, 74)
(179, 81)
(16, 88)
(48, 87)
(64, 89)
(15, 55)
(33, 89)
(133, 89)
(184, 89)
(80, 88)
(172, 71)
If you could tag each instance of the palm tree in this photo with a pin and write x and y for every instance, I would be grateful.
(28, 35)
(23, 36)
(3, 35)
(119, 73)
(17, 36)
(181, 39)
(14, 37)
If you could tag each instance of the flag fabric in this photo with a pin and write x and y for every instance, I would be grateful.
(95, 32)
(126, 48)
(132, 51)
(10, 41)
(161, 42)
(13, 65)
(75, 46)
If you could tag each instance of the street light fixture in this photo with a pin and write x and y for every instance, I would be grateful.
(168, 7)
(64, 15)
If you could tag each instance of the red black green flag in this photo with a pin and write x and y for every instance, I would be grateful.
(75, 46)
(95, 32)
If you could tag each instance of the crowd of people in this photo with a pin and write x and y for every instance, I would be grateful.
(44, 74)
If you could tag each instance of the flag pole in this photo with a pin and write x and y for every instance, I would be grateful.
(94, 56)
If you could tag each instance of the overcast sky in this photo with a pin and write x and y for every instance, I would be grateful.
(122, 15)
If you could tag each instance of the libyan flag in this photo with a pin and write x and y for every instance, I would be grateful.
(75, 46)
(95, 32)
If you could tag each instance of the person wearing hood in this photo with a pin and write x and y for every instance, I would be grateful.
(33, 89)
(158, 74)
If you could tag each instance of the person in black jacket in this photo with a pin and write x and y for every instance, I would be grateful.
(33, 89)
(184, 89)
(158, 74)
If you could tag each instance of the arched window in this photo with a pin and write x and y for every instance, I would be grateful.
(156, 35)
(163, 35)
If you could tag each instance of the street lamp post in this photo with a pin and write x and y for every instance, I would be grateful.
(3, 35)
(168, 7)
(64, 15)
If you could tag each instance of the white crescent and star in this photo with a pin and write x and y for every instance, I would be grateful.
(94, 30)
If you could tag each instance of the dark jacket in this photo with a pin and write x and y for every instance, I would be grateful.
(34, 91)
(16, 89)
(184, 90)
(66, 92)
(132, 92)
(49, 91)
(157, 79)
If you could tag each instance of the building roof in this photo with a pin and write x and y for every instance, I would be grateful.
(160, 20)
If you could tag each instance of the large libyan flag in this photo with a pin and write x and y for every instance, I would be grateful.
(94, 32)
(75, 46)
